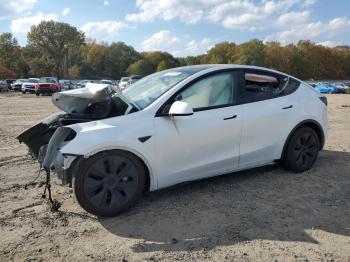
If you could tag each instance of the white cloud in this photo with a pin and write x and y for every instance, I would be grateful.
(161, 41)
(246, 14)
(104, 30)
(178, 46)
(106, 3)
(293, 18)
(336, 27)
(330, 43)
(186, 10)
(22, 25)
(10, 8)
(230, 13)
(244, 21)
(194, 47)
(65, 11)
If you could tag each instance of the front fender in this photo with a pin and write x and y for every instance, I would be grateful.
(89, 141)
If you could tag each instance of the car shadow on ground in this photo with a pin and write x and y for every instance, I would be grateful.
(265, 203)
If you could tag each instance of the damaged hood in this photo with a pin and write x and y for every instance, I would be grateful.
(77, 100)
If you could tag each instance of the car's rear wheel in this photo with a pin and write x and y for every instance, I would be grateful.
(109, 182)
(302, 150)
(37, 93)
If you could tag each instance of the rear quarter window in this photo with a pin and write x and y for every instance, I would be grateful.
(261, 85)
(291, 87)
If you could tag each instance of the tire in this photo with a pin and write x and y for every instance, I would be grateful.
(37, 93)
(23, 92)
(302, 150)
(104, 192)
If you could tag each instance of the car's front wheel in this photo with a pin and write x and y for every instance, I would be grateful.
(109, 182)
(302, 150)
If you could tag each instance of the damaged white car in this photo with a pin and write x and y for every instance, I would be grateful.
(175, 126)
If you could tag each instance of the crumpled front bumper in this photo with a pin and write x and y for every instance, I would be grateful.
(45, 141)
(54, 160)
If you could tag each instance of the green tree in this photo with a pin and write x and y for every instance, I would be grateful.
(94, 60)
(150, 61)
(189, 60)
(251, 53)
(141, 67)
(162, 66)
(56, 40)
(9, 50)
(222, 53)
(119, 57)
(11, 57)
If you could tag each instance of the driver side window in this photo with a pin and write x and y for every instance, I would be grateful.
(215, 90)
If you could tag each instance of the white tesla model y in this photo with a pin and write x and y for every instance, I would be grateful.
(177, 125)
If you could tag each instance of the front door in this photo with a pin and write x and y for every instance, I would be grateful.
(205, 143)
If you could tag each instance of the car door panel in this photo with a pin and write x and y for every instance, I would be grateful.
(197, 146)
(207, 142)
(265, 126)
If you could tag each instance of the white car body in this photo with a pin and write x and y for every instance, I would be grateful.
(184, 148)
(29, 85)
(174, 126)
(17, 85)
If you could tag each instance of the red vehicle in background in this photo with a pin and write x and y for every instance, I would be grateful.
(47, 85)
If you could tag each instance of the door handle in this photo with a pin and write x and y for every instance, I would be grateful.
(288, 107)
(231, 117)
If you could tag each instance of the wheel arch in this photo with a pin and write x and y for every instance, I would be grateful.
(306, 123)
(151, 180)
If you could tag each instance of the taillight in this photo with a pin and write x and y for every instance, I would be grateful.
(324, 100)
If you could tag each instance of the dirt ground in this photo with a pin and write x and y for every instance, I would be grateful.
(265, 214)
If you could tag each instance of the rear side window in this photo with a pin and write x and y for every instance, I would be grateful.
(258, 86)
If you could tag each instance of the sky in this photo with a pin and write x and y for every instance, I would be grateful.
(186, 27)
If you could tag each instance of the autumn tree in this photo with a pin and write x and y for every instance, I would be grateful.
(11, 58)
(56, 40)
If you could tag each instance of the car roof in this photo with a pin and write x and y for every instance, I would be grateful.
(203, 67)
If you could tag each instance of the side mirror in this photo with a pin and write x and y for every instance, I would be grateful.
(179, 108)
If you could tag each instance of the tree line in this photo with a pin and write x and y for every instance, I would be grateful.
(61, 50)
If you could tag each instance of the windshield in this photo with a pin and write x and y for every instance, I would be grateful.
(47, 80)
(32, 81)
(148, 89)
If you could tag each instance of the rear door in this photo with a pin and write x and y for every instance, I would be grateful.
(268, 108)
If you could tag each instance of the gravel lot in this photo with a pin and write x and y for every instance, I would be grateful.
(264, 214)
